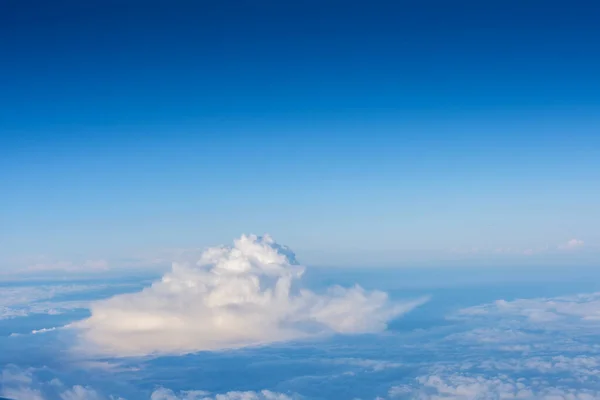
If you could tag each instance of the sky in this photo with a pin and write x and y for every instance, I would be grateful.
(388, 133)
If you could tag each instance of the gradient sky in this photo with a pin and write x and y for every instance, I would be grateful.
(354, 132)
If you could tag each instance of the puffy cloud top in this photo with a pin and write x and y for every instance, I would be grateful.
(247, 294)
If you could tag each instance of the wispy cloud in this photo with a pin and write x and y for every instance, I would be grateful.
(572, 244)
(69, 266)
(367, 364)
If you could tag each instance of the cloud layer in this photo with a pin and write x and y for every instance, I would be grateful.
(167, 394)
(21, 384)
(22, 301)
(581, 308)
(248, 294)
(460, 387)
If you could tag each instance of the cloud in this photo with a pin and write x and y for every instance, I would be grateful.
(106, 366)
(43, 330)
(16, 384)
(68, 266)
(538, 348)
(21, 301)
(367, 364)
(463, 387)
(572, 244)
(541, 250)
(493, 335)
(79, 392)
(22, 393)
(244, 295)
(21, 384)
(14, 375)
(168, 394)
(581, 308)
(581, 366)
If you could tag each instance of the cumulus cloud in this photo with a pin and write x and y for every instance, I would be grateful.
(247, 294)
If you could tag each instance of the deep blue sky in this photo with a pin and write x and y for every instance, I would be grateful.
(349, 130)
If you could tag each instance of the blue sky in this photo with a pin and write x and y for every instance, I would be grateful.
(391, 133)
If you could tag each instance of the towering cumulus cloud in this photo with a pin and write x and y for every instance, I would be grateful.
(248, 294)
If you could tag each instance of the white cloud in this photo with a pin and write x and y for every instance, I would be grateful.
(540, 348)
(168, 394)
(263, 395)
(11, 375)
(371, 365)
(22, 393)
(20, 384)
(107, 366)
(465, 387)
(572, 244)
(493, 335)
(68, 266)
(22, 301)
(583, 308)
(16, 383)
(236, 296)
(79, 392)
(529, 252)
(579, 366)
(43, 330)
